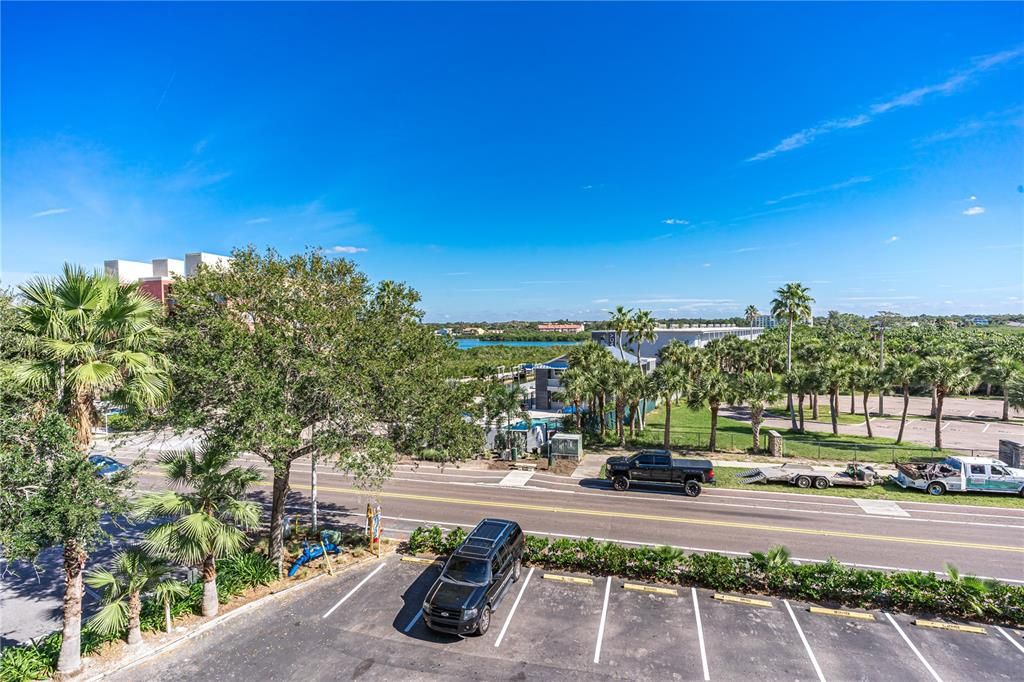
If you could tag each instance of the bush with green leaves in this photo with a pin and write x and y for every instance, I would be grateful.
(771, 572)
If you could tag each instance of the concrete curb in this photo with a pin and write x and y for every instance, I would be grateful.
(219, 620)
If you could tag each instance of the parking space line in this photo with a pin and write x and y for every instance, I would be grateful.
(416, 618)
(353, 590)
(604, 615)
(807, 646)
(700, 635)
(1012, 640)
(913, 648)
(515, 605)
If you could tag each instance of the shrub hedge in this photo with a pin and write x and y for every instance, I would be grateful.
(38, 660)
(770, 572)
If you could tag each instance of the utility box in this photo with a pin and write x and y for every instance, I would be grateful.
(1011, 452)
(568, 445)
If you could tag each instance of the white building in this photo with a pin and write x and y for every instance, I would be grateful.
(127, 270)
(765, 322)
(194, 260)
(168, 267)
(695, 337)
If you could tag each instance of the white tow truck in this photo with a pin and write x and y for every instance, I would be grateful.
(960, 474)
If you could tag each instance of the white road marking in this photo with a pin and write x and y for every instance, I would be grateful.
(416, 618)
(512, 612)
(516, 479)
(945, 426)
(700, 635)
(882, 508)
(803, 639)
(986, 428)
(604, 614)
(1012, 640)
(914, 648)
(971, 413)
(353, 590)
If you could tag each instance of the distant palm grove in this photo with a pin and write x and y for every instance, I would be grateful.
(848, 355)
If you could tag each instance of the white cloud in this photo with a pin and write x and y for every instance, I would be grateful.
(748, 249)
(894, 238)
(456, 274)
(906, 99)
(588, 187)
(829, 188)
(675, 221)
(661, 237)
(257, 221)
(600, 300)
(974, 210)
(50, 211)
(879, 298)
(707, 265)
(347, 249)
(973, 198)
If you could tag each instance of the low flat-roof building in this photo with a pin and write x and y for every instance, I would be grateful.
(561, 327)
(695, 337)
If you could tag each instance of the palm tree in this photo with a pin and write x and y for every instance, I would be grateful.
(622, 380)
(208, 516)
(792, 302)
(833, 375)
(642, 331)
(670, 379)
(621, 321)
(756, 390)
(1002, 372)
(575, 388)
(90, 336)
(1015, 392)
(751, 314)
(902, 371)
(947, 374)
(866, 378)
(134, 573)
(711, 388)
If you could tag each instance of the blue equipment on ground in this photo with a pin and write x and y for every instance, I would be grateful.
(328, 541)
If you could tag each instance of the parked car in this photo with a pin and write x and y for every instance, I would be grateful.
(659, 466)
(475, 578)
(961, 474)
(107, 467)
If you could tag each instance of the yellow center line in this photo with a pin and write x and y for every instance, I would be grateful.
(939, 542)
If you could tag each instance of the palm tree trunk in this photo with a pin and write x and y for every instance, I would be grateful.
(932, 413)
(939, 398)
(81, 420)
(713, 438)
(1006, 400)
(134, 619)
(210, 603)
(867, 417)
(814, 406)
(579, 420)
(853, 400)
(789, 366)
(755, 427)
(800, 403)
(668, 421)
(602, 409)
(280, 495)
(906, 406)
(167, 615)
(70, 659)
(833, 408)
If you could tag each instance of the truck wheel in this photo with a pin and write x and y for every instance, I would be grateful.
(820, 483)
(517, 570)
(692, 488)
(620, 483)
(936, 488)
(803, 481)
(484, 623)
(1021, 493)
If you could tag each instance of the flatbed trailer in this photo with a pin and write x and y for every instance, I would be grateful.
(804, 476)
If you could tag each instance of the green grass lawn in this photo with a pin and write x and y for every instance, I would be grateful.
(690, 430)
(726, 477)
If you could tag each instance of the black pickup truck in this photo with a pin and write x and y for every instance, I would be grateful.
(658, 466)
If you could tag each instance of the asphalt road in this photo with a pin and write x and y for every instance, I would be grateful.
(366, 624)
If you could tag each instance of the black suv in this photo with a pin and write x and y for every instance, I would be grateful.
(475, 577)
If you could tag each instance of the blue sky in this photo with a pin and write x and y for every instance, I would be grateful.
(533, 160)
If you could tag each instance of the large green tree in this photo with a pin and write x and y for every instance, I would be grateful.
(50, 496)
(642, 330)
(947, 374)
(87, 337)
(286, 357)
(756, 390)
(206, 518)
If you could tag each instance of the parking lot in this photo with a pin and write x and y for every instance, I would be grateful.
(367, 624)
